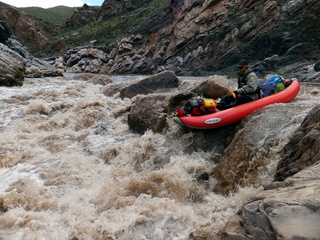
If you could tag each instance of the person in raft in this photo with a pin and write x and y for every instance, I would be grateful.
(248, 88)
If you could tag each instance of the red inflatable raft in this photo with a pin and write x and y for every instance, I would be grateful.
(235, 114)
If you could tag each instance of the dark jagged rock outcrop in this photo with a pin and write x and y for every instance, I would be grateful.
(5, 32)
(114, 7)
(81, 16)
(125, 57)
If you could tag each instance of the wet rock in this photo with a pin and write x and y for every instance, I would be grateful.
(149, 112)
(288, 209)
(111, 89)
(215, 87)
(303, 149)
(283, 213)
(163, 80)
(12, 67)
(180, 99)
(153, 111)
(34, 72)
(95, 79)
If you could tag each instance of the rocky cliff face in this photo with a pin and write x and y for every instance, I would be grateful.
(81, 16)
(215, 34)
(115, 7)
(24, 29)
(195, 37)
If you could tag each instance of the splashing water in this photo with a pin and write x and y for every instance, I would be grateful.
(71, 169)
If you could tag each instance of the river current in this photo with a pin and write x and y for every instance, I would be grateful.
(70, 169)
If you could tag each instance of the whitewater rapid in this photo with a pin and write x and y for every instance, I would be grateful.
(71, 169)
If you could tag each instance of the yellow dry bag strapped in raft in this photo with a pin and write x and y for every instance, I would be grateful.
(209, 103)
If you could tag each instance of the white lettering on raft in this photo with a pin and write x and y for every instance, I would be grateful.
(212, 120)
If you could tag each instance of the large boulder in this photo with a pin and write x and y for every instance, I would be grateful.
(149, 112)
(288, 212)
(154, 112)
(85, 59)
(163, 80)
(12, 67)
(215, 87)
(287, 209)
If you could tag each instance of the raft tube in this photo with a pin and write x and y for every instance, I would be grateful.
(235, 114)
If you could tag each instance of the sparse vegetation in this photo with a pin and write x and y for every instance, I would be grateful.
(109, 31)
(56, 15)
(114, 28)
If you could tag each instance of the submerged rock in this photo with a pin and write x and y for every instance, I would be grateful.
(163, 80)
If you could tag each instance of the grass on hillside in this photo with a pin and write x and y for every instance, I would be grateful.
(113, 29)
(3, 5)
(49, 21)
(56, 15)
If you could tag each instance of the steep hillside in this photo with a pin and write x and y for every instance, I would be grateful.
(109, 26)
(56, 15)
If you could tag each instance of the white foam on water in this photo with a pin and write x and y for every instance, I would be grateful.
(71, 169)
